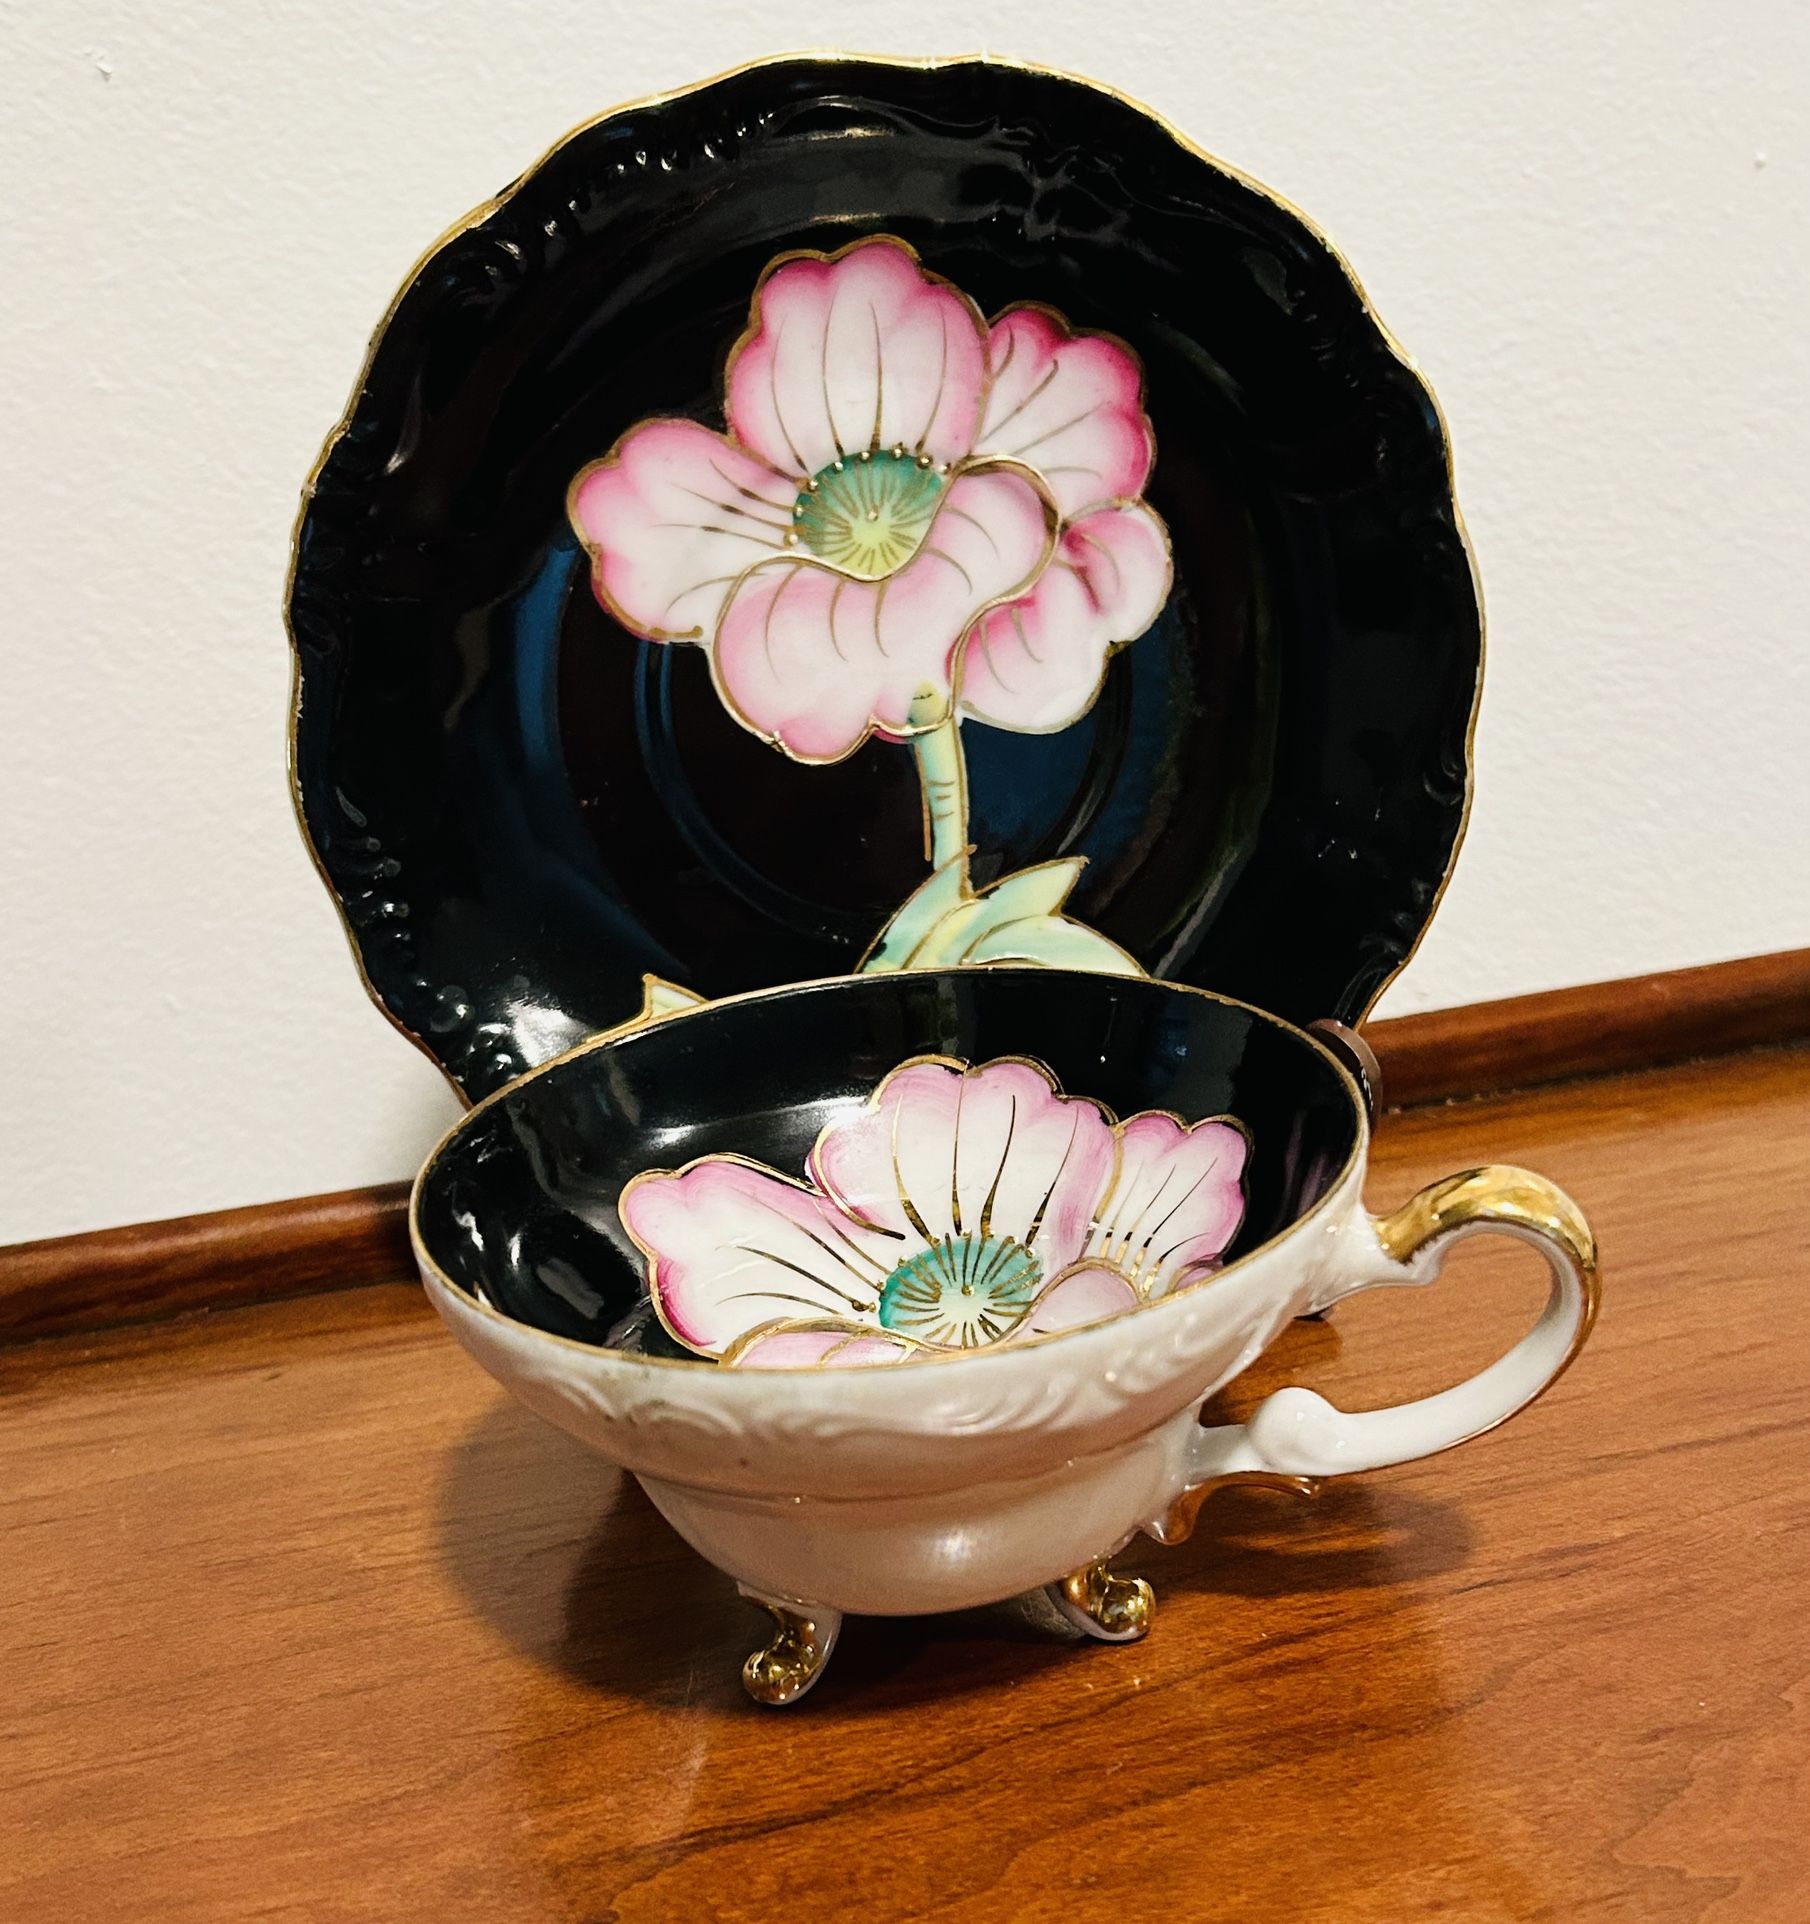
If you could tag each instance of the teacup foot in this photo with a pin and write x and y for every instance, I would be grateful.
(1113, 1609)
(783, 1669)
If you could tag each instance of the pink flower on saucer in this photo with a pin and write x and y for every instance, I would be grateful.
(959, 1209)
(913, 515)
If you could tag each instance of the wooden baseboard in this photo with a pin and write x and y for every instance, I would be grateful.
(215, 1261)
(1602, 1028)
(318, 1243)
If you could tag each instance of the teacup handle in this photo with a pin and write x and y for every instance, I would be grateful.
(1294, 1438)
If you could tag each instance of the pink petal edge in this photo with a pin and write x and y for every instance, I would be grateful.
(1088, 1293)
(860, 349)
(1036, 664)
(673, 517)
(1069, 405)
(814, 660)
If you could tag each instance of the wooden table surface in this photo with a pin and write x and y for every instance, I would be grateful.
(301, 1619)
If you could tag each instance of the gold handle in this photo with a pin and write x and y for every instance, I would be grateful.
(1294, 1438)
(1499, 1196)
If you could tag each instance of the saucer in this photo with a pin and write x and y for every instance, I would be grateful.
(530, 785)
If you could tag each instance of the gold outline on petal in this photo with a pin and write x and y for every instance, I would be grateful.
(651, 1257)
(1052, 528)
(751, 332)
(1069, 333)
(830, 57)
(1133, 504)
(854, 1332)
(820, 1189)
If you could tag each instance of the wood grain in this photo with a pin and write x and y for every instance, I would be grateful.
(303, 1620)
(1601, 1028)
(211, 1261)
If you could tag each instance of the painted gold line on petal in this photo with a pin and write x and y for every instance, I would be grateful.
(1050, 434)
(941, 555)
(771, 1296)
(1094, 541)
(905, 1203)
(955, 1157)
(1024, 640)
(751, 494)
(729, 507)
(1157, 1229)
(986, 1208)
(1013, 413)
(706, 527)
(942, 376)
(962, 514)
(1151, 1201)
(1037, 1220)
(797, 1269)
(823, 368)
(779, 419)
(766, 627)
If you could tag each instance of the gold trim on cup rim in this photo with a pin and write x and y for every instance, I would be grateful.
(1354, 1162)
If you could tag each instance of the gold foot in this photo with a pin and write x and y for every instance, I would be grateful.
(1177, 1523)
(1113, 1609)
(781, 1671)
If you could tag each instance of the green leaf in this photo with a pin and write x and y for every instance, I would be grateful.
(928, 905)
(1056, 943)
(942, 925)
(1033, 891)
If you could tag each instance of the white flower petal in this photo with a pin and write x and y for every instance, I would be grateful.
(1035, 664)
(862, 349)
(732, 1246)
(1070, 405)
(939, 1152)
(673, 518)
(1177, 1203)
(814, 659)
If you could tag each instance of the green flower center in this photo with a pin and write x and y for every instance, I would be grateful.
(868, 513)
(963, 1292)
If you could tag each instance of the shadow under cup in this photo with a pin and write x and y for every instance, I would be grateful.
(518, 1205)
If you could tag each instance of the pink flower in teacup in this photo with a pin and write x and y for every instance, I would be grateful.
(914, 512)
(959, 1209)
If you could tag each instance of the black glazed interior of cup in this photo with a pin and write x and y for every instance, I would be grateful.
(520, 1202)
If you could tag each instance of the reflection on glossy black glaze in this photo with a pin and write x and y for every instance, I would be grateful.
(522, 808)
(522, 1200)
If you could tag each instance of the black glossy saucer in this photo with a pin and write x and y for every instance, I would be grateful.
(521, 808)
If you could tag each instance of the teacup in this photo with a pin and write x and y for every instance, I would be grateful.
(978, 1382)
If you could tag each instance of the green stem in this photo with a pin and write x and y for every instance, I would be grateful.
(943, 774)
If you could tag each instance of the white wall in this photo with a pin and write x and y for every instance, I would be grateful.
(1587, 221)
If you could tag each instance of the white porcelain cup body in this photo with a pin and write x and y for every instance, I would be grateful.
(943, 1484)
